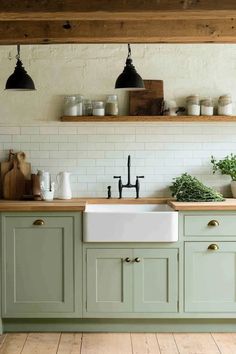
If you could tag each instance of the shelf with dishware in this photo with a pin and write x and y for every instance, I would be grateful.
(117, 119)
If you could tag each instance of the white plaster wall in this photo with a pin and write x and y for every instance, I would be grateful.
(93, 153)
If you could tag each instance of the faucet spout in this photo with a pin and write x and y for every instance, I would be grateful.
(129, 184)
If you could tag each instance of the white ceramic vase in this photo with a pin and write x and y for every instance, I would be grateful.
(233, 188)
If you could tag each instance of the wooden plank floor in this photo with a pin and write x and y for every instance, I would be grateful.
(118, 343)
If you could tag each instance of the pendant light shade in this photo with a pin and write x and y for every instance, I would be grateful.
(19, 80)
(129, 79)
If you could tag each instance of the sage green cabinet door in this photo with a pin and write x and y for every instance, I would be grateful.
(155, 280)
(109, 279)
(38, 266)
(210, 277)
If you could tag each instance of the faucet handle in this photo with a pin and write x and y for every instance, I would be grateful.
(117, 177)
(140, 177)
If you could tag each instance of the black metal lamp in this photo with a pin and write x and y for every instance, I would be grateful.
(19, 80)
(129, 79)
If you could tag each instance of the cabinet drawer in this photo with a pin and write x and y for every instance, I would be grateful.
(210, 225)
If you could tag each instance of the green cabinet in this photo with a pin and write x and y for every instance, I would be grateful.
(210, 277)
(38, 265)
(109, 279)
(155, 280)
(131, 281)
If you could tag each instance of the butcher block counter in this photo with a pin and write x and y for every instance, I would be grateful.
(228, 204)
(76, 204)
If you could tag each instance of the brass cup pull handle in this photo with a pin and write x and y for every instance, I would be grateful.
(128, 260)
(213, 223)
(137, 260)
(39, 222)
(213, 247)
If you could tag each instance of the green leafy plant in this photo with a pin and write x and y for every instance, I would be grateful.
(189, 189)
(227, 166)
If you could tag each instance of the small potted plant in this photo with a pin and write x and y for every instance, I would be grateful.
(227, 166)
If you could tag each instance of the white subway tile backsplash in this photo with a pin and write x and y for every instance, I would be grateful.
(93, 154)
(10, 130)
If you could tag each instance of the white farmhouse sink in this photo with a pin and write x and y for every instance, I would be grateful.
(130, 223)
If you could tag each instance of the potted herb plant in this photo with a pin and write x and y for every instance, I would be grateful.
(227, 166)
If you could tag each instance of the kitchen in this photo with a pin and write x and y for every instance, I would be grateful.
(86, 60)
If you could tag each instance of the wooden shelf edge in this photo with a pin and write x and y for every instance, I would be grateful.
(117, 119)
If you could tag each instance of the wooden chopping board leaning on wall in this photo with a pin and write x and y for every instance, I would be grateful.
(15, 176)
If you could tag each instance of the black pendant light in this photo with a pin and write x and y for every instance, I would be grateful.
(19, 80)
(129, 79)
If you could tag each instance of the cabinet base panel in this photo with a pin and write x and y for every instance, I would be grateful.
(114, 325)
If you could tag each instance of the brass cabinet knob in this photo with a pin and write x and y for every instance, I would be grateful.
(137, 260)
(213, 247)
(39, 222)
(128, 260)
(213, 223)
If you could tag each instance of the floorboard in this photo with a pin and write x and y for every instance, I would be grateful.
(70, 343)
(106, 343)
(196, 343)
(167, 343)
(41, 343)
(13, 343)
(144, 343)
(226, 342)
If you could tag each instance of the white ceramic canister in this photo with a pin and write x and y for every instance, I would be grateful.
(63, 186)
(44, 179)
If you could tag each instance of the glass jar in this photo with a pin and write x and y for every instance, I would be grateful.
(207, 107)
(87, 108)
(193, 105)
(98, 108)
(112, 108)
(225, 107)
(73, 105)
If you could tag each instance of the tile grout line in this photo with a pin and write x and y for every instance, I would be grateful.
(215, 342)
(59, 341)
(24, 343)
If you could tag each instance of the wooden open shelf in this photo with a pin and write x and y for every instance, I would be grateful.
(116, 119)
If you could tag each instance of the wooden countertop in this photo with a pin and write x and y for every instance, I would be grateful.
(76, 204)
(228, 204)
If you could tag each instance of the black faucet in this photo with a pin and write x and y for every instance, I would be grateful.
(129, 184)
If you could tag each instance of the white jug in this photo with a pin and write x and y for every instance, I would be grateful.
(63, 185)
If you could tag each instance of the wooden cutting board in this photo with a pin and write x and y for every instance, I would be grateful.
(6, 166)
(147, 102)
(14, 183)
(24, 166)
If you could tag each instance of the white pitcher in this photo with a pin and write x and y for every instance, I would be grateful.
(63, 185)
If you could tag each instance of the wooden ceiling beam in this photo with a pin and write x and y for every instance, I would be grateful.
(40, 10)
(178, 31)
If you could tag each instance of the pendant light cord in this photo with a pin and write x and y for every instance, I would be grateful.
(129, 51)
(18, 52)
